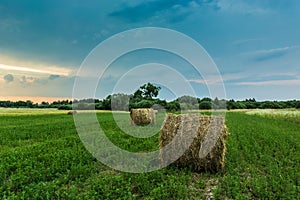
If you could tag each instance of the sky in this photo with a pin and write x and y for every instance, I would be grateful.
(254, 44)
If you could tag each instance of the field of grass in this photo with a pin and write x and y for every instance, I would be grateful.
(42, 157)
(285, 114)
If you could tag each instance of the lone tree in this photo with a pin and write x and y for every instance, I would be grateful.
(147, 91)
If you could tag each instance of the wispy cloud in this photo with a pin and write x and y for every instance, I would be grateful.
(252, 79)
(264, 55)
(271, 83)
(53, 70)
(219, 79)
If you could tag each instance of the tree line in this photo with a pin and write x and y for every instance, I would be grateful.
(146, 97)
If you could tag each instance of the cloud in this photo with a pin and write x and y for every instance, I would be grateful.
(171, 11)
(269, 79)
(265, 55)
(8, 78)
(270, 54)
(53, 76)
(219, 79)
(271, 83)
(38, 86)
(29, 81)
(253, 79)
(25, 79)
(36, 70)
(243, 7)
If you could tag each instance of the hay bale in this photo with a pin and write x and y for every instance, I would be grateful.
(72, 112)
(202, 141)
(142, 116)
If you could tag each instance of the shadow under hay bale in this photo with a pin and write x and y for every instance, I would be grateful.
(200, 139)
(72, 112)
(142, 116)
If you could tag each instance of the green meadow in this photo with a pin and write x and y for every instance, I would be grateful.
(42, 157)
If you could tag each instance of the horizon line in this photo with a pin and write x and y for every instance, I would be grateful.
(40, 99)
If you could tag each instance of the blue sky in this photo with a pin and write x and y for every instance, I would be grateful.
(255, 44)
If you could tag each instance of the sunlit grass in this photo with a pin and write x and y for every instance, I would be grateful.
(292, 115)
(29, 111)
(38, 111)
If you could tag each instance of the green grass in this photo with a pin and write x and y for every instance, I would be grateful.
(42, 157)
(284, 114)
(263, 158)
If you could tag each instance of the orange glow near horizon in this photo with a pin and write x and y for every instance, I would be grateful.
(34, 99)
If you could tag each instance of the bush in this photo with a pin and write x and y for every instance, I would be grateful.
(145, 104)
(65, 107)
(84, 106)
(270, 105)
(173, 106)
(205, 105)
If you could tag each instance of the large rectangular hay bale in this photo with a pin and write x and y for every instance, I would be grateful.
(206, 136)
(142, 116)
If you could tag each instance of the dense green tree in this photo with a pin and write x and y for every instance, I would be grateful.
(188, 102)
(145, 104)
(230, 104)
(205, 105)
(173, 106)
(137, 95)
(44, 104)
(65, 107)
(149, 91)
(106, 103)
(206, 99)
(143, 97)
(270, 105)
(298, 105)
(218, 104)
(120, 102)
(250, 105)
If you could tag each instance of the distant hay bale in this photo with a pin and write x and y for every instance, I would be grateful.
(72, 112)
(207, 138)
(142, 116)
